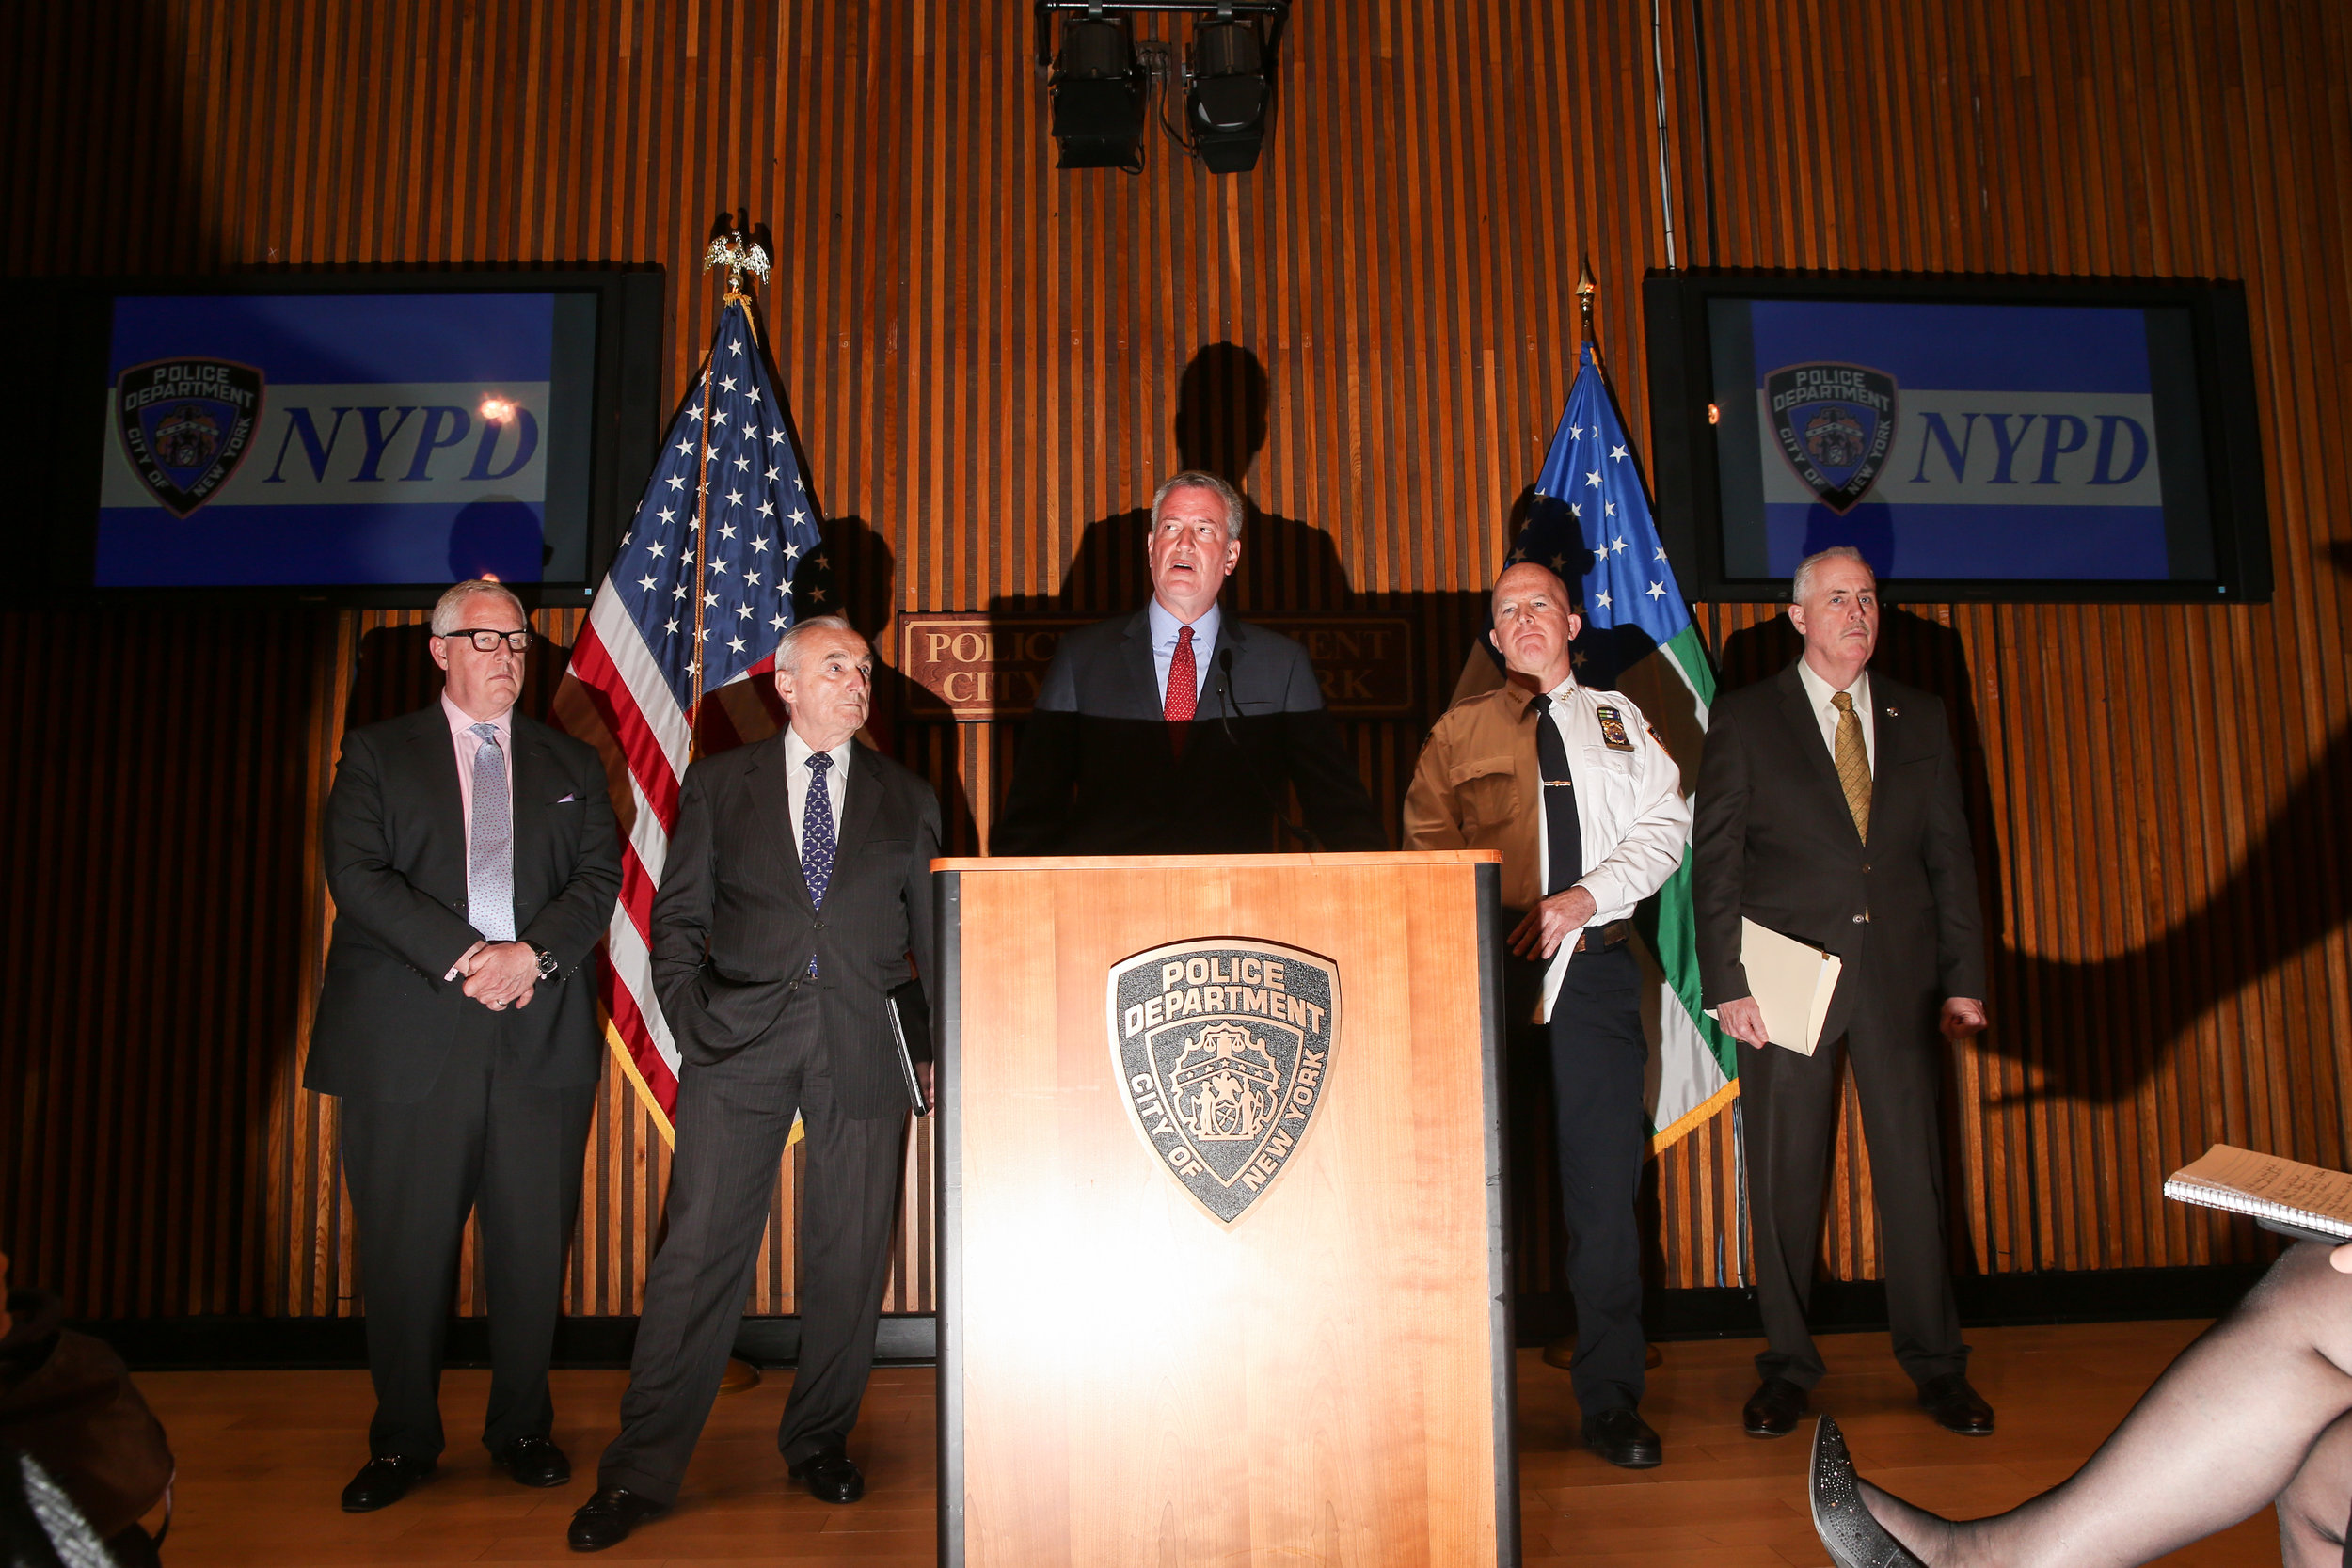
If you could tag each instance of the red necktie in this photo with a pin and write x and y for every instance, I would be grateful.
(1184, 680)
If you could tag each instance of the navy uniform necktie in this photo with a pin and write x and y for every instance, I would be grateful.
(1562, 836)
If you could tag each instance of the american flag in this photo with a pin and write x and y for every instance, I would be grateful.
(722, 555)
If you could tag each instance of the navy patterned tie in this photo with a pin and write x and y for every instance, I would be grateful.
(490, 847)
(817, 835)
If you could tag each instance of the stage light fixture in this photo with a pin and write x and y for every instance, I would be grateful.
(1226, 111)
(1098, 93)
(1101, 80)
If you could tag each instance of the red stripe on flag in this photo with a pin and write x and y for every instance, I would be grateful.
(647, 763)
(637, 891)
(646, 1056)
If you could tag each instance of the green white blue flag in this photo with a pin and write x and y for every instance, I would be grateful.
(1590, 522)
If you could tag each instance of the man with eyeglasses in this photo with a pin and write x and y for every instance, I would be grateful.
(473, 861)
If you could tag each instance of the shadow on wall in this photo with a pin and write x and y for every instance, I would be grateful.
(497, 538)
(1288, 566)
(864, 589)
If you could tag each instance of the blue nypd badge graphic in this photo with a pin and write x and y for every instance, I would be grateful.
(1223, 1051)
(1835, 424)
(187, 424)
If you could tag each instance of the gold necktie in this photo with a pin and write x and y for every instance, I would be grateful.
(1853, 764)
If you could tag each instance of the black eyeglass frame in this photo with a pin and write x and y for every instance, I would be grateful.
(474, 634)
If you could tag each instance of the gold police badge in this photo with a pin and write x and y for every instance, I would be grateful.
(1222, 1047)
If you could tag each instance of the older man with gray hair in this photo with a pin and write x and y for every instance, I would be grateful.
(1829, 810)
(473, 861)
(797, 887)
(1176, 730)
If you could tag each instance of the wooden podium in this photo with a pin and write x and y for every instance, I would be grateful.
(1221, 1198)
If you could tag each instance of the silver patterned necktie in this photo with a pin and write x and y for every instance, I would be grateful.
(490, 847)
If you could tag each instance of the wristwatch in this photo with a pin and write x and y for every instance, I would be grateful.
(548, 963)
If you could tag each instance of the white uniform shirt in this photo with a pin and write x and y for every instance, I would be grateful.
(1629, 813)
(1819, 692)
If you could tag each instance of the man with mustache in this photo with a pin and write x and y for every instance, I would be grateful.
(797, 887)
(1587, 809)
(1830, 811)
(1175, 730)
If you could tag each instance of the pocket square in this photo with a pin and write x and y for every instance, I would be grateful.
(567, 801)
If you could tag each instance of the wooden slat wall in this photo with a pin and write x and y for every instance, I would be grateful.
(987, 359)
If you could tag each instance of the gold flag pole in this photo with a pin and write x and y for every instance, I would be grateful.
(1584, 292)
(732, 252)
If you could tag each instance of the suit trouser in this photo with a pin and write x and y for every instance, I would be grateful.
(479, 1140)
(1788, 1120)
(734, 1120)
(1599, 1058)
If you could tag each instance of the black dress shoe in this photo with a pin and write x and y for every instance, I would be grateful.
(606, 1519)
(1623, 1438)
(536, 1462)
(1849, 1534)
(1772, 1410)
(831, 1476)
(383, 1481)
(1956, 1406)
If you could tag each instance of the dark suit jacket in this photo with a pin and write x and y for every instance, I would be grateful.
(1100, 772)
(1774, 842)
(396, 866)
(733, 927)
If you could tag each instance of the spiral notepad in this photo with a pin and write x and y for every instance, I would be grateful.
(2280, 1195)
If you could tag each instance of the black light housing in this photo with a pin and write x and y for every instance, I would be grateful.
(1101, 80)
(1226, 112)
(1098, 93)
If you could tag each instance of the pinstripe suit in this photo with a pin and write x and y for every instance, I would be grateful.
(733, 929)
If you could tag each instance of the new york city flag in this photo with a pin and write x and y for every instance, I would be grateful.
(1591, 516)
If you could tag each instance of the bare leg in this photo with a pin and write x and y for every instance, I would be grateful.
(2311, 1509)
(2220, 1434)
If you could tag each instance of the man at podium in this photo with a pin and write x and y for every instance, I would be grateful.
(1587, 809)
(1175, 731)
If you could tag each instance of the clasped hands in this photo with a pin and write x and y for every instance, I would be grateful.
(501, 975)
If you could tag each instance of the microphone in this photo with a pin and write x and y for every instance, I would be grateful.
(1298, 831)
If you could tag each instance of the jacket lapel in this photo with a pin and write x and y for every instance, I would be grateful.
(1890, 736)
(857, 822)
(768, 795)
(536, 786)
(1231, 634)
(1142, 676)
(1805, 732)
(431, 761)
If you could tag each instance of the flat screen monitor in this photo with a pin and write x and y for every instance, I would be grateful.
(1973, 438)
(357, 436)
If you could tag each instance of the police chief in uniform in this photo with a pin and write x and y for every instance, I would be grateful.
(1587, 809)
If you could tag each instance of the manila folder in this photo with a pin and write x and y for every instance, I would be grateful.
(1791, 982)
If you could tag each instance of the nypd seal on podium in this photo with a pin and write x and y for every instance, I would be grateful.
(1223, 1051)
